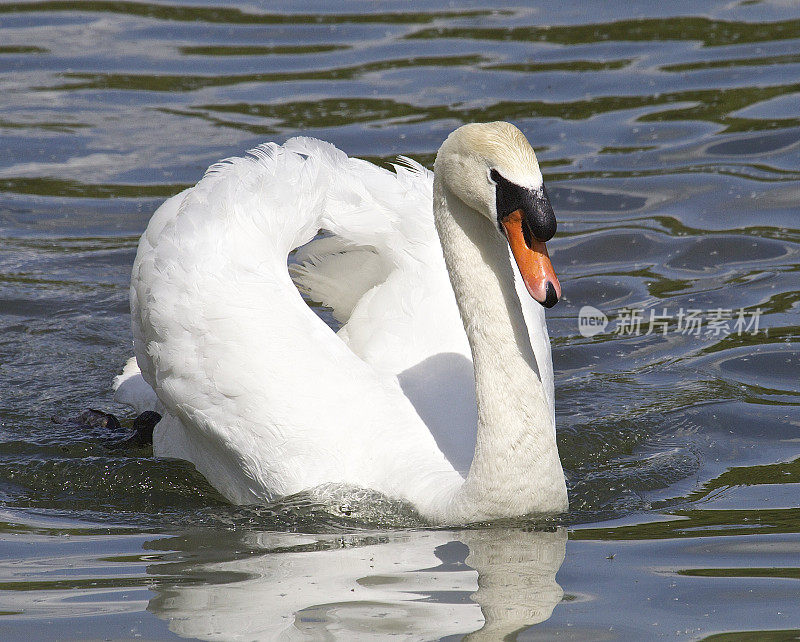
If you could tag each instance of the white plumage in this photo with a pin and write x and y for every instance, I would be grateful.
(266, 400)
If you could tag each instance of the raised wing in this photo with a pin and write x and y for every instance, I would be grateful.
(260, 394)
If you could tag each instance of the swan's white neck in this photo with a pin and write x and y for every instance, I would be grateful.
(516, 469)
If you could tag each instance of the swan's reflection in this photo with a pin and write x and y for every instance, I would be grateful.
(418, 585)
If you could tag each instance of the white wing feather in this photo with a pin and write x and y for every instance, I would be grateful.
(258, 392)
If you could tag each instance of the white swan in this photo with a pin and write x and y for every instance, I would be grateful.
(266, 400)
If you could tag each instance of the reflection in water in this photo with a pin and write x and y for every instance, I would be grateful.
(516, 578)
(421, 585)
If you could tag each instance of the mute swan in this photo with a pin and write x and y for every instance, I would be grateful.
(262, 396)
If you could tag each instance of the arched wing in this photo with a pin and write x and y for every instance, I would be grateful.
(271, 400)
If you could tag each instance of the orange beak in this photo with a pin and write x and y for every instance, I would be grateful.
(533, 261)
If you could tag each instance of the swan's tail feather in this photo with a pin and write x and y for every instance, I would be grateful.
(132, 390)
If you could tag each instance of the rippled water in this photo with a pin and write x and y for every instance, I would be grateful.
(669, 138)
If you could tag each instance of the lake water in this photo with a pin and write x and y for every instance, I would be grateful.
(669, 137)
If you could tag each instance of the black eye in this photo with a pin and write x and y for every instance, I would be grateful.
(495, 175)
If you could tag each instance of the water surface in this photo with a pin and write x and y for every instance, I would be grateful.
(668, 135)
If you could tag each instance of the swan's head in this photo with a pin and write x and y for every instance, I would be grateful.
(492, 168)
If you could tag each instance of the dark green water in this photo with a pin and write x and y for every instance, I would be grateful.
(669, 135)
